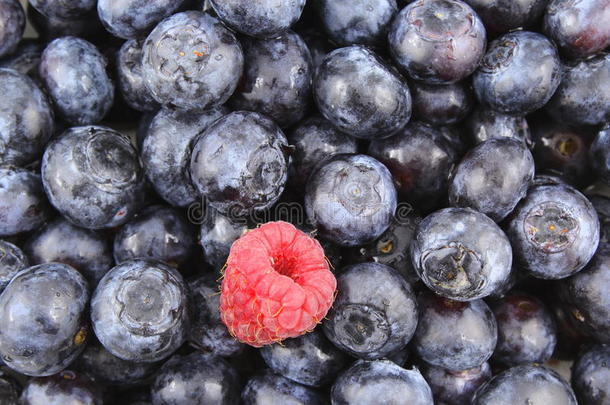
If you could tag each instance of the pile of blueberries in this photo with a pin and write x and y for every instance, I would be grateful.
(451, 156)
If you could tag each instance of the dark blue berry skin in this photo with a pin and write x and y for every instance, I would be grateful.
(361, 95)
(519, 73)
(461, 254)
(87, 251)
(455, 387)
(452, 334)
(26, 119)
(196, 379)
(277, 78)
(317, 43)
(350, 199)
(392, 247)
(166, 152)
(238, 174)
(25, 59)
(139, 311)
(314, 140)
(259, 18)
(92, 176)
(66, 387)
(441, 104)
(562, 150)
(528, 384)
(74, 74)
(87, 26)
(374, 314)
(23, 204)
(591, 375)
(380, 382)
(159, 233)
(217, 234)
(526, 330)
(43, 325)
(501, 16)
(579, 28)
(9, 390)
(554, 231)
(191, 61)
(63, 9)
(272, 389)
(12, 261)
(602, 207)
(206, 330)
(130, 78)
(437, 41)
(582, 296)
(600, 155)
(131, 19)
(108, 369)
(420, 159)
(13, 25)
(309, 359)
(493, 177)
(485, 123)
(349, 22)
(583, 97)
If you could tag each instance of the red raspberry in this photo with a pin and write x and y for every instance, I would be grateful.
(277, 285)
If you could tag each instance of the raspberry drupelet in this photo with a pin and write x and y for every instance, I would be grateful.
(277, 284)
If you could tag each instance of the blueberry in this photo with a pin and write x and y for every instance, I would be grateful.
(159, 233)
(166, 152)
(315, 139)
(62, 8)
(452, 334)
(217, 234)
(43, 320)
(92, 176)
(108, 369)
(461, 254)
(380, 382)
(441, 104)
(361, 95)
(67, 387)
(588, 308)
(519, 73)
(61, 242)
(485, 123)
(131, 19)
(528, 384)
(196, 379)
(25, 59)
(501, 16)
(12, 261)
(26, 119)
(583, 97)
(13, 25)
(87, 26)
(350, 199)
(437, 41)
(580, 28)
(206, 330)
(374, 314)
(263, 19)
(191, 61)
(554, 231)
(309, 359)
(349, 22)
(602, 207)
(455, 387)
(277, 78)
(74, 74)
(591, 375)
(23, 205)
(600, 154)
(9, 390)
(420, 158)
(131, 79)
(139, 311)
(238, 174)
(562, 150)
(317, 43)
(493, 177)
(526, 330)
(272, 389)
